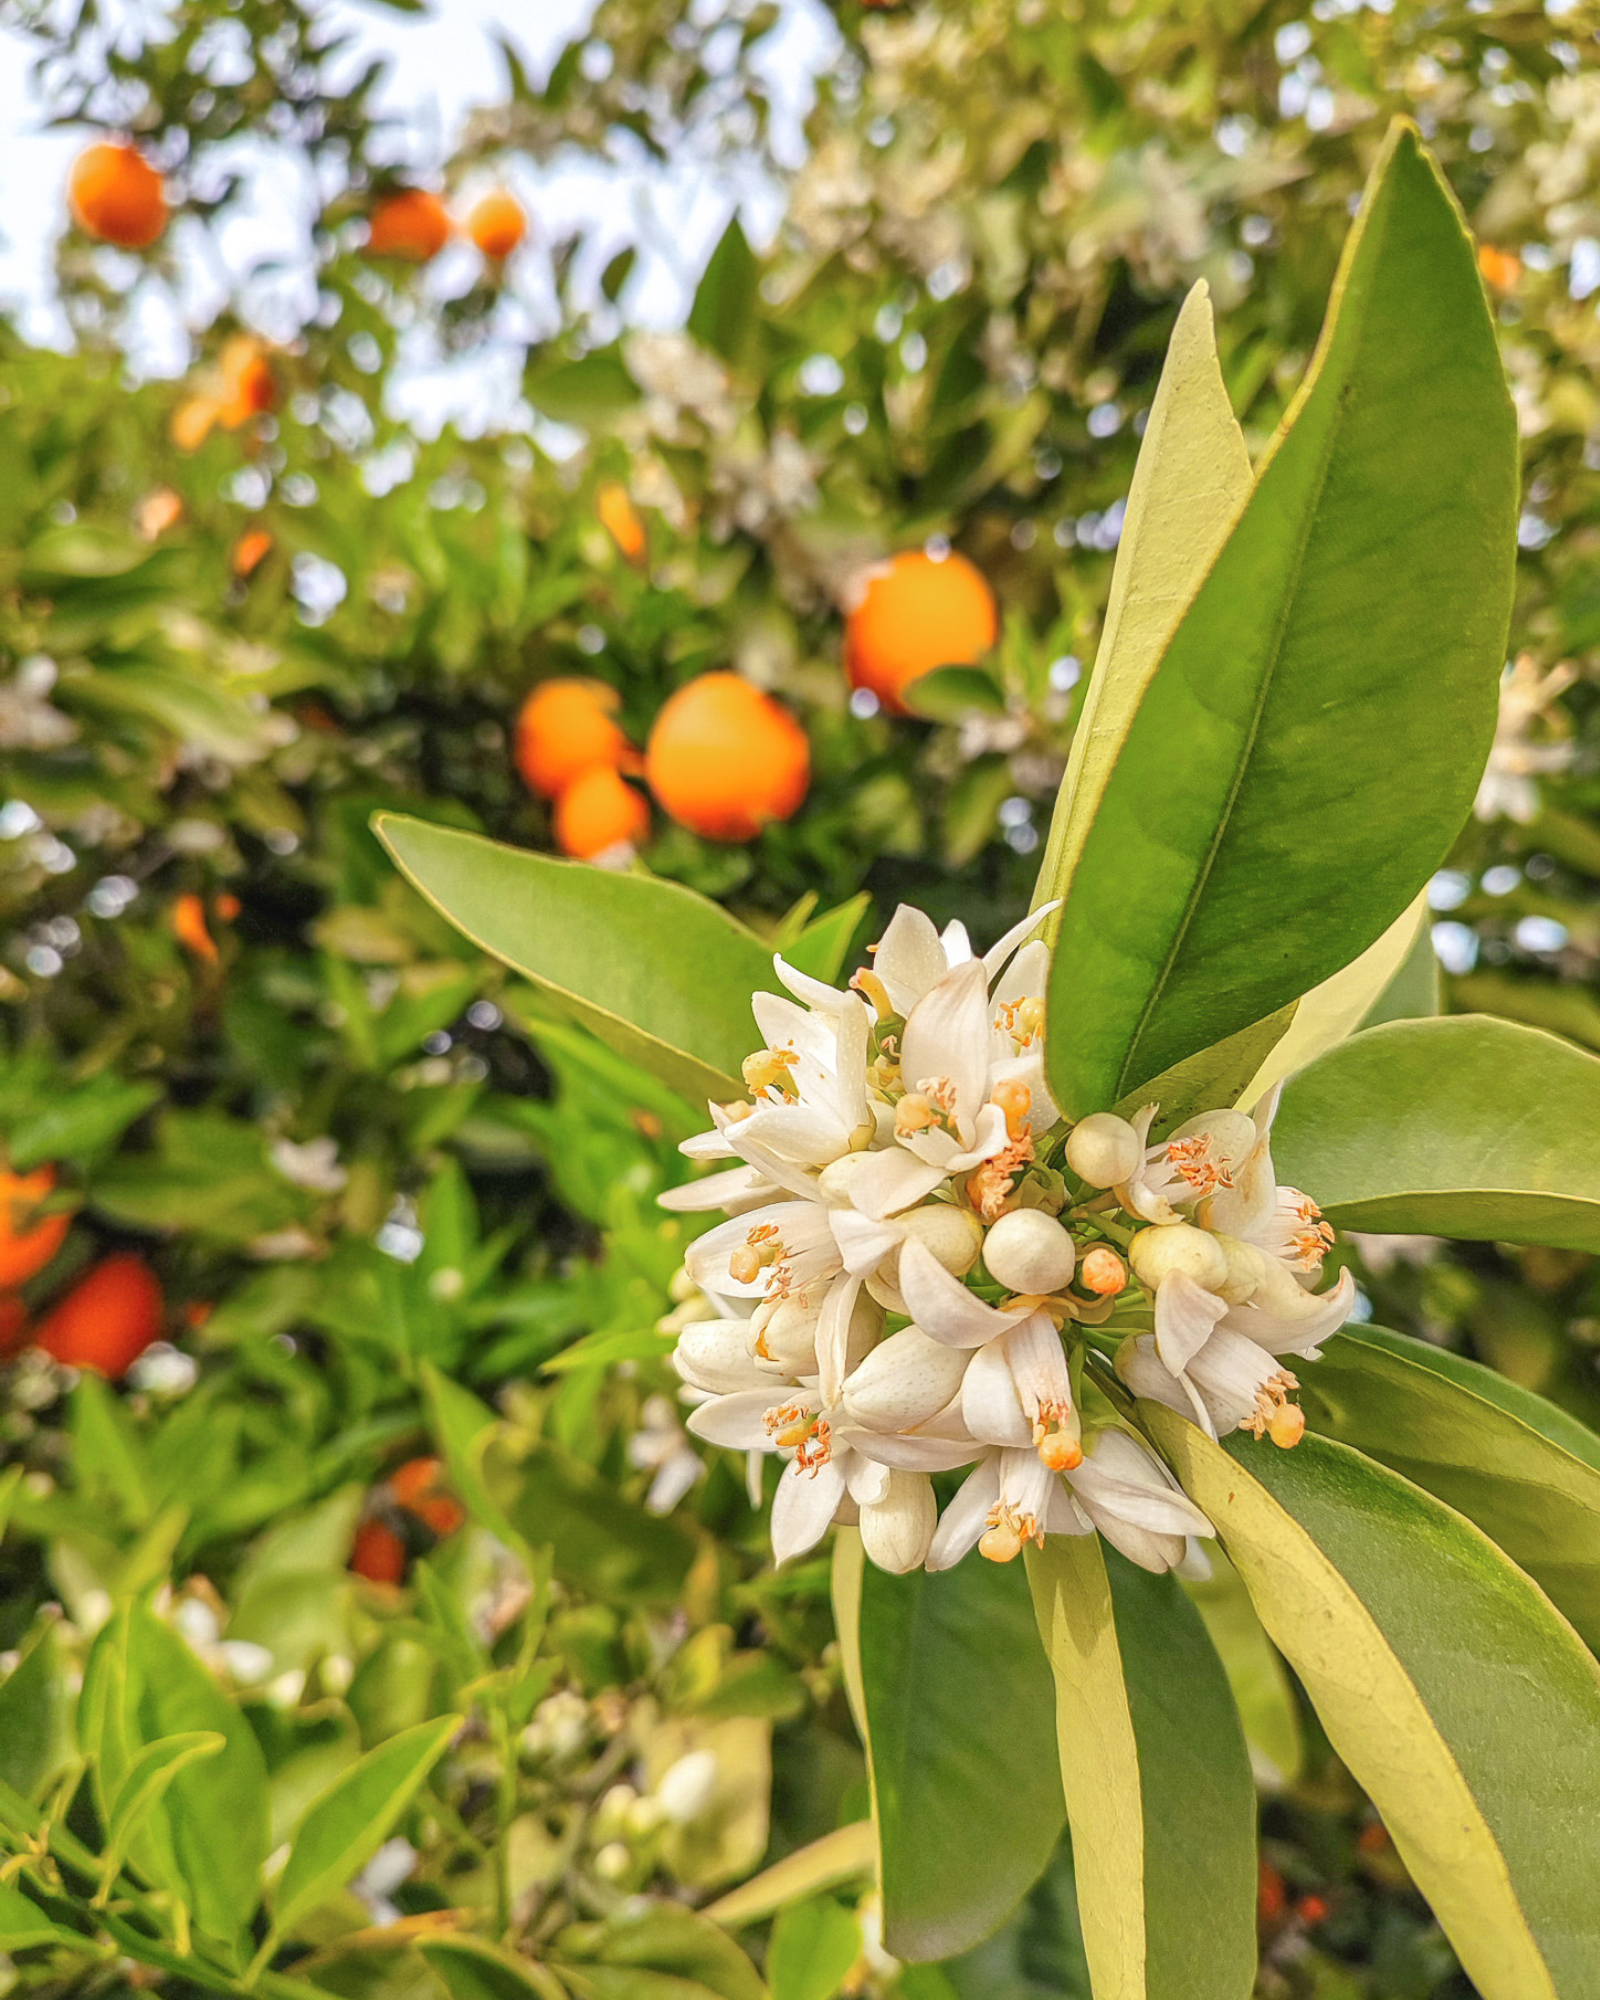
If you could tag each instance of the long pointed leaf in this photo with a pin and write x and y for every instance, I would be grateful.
(1462, 1701)
(1157, 1778)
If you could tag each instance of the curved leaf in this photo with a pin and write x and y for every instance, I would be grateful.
(961, 1747)
(1310, 744)
(1463, 1126)
(848, 1854)
(1526, 1472)
(1157, 1778)
(1464, 1704)
(145, 1782)
(658, 973)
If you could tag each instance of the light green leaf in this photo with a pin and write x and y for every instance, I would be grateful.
(1462, 1126)
(821, 946)
(1304, 755)
(946, 694)
(1157, 1778)
(1216, 1076)
(351, 1820)
(1526, 1472)
(1463, 1703)
(471, 1968)
(848, 1854)
(78, 1123)
(36, 1738)
(1256, 1675)
(462, 1427)
(723, 315)
(658, 973)
(664, 1941)
(961, 1748)
(23, 1925)
(143, 1785)
(813, 1946)
(1189, 487)
(586, 392)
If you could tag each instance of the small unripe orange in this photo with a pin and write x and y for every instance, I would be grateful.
(497, 224)
(115, 194)
(27, 1240)
(620, 519)
(725, 760)
(917, 613)
(410, 224)
(567, 727)
(599, 811)
(108, 1320)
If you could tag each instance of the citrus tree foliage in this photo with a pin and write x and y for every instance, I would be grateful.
(400, 1206)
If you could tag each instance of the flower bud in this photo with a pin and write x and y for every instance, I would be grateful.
(1246, 1270)
(1029, 1252)
(896, 1530)
(906, 1380)
(687, 1789)
(1103, 1149)
(1103, 1271)
(834, 1182)
(954, 1235)
(714, 1354)
(866, 1330)
(785, 1334)
(1157, 1253)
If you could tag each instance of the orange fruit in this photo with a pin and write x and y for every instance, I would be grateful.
(497, 224)
(189, 927)
(115, 194)
(916, 614)
(1500, 268)
(27, 1242)
(378, 1553)
(620, 519)
(192, 421)
(416, 1487)
(13, 1326)
(597, 811)
(725, 760)
(564, 728)
(248, 384)
(410, 224)
(107, 1320)
(248, 551)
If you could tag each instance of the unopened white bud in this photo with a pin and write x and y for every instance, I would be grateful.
(866, 1330)
(688, 1788)
(896, 1531)
(1103, 1149)
(908, 1379)
(1028, 1251)
(714, 1354)
(1247, 1268)
(785, 1334)
(837, 1178)
(1157, 1253)
(954, 1235)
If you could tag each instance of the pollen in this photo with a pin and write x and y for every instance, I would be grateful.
(1287, 1426)
(1191, 1161)
(1060, 1451)
(760, 1249)
(1022, 1020)
(1000, 1545)
(1274, 1415)
(912, 1114)
(989, 1188)
(1103, 1272)
(768, 1069)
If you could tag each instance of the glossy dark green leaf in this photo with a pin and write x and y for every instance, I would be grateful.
(1462, 1701)
(1461, 1126)
(1038, 1955)
(658, 973)
(1157, 1777)
(1311, 741)
(961, 1743)
(1526, 1472)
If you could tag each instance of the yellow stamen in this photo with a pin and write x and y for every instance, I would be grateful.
(768, 1069)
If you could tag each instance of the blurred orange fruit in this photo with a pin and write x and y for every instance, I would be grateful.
(1500, 268)
(620, 519)
(725, 760)
(497, 224)
(107, 1320)
(564, 728)
(917, 613)
(248, 551)
(192, 421)
(418, 1487)
(378, 1553)
(597, 811)
(159, 510)
(27, 1241)
(249, 387)
(410, 224)
(13, 1326)
(115, 194)
(189, 927)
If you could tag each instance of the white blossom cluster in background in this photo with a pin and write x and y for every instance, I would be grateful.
(923, 1263)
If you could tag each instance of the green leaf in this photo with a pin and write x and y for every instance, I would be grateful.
(658, 973)
(1191, 482)
(1261, 1689)
(36, 1740)
(820, 948)
(669, 1941)
(1463, 1703)
(847, 1854)
(145, 1782)
(1526, 1472)
(462, 1427)
(723, 316)
(1038, 1955)
(586, 392)
(946, 694)
(1462, 1126)
(470, 1968)
(79, 1123)
(1157, 1777)
(813, 1946)
(1311, 742)
(351, 1820)
(23, 1925)
(961, 1748)
(1216, 1076)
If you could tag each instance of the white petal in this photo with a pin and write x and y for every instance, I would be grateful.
(1026, 977)
(814, 992)
(947, 1037)
(715, 1354)
(722, 1190)
(910, 1451)
(889, 1181)
(904, 1380)
(802, 1508)
(1148, 1376)
(707, 1146)
(862, 1243)
(849, 1093)
(910, 959)
(1300, 1328)
(803, 1135)
(865, 1480)
(1185, 1314)
(942, 1306)
(737, 1421)
(833, 1336)
(957, 945)
(997, 954)
(990, 1408)
(961, 1526)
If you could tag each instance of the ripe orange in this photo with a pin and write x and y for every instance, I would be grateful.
(565, 728)
(598, 811)
(248, 551)
(27, 1242)
(724, 759)
(13, 1326)
(248, 385)
(1500, 268)
(497, 224)
(417, 1487)
(620, 519)
(410, 224)
(378, 1553)
(917, 614)
(189, 927)
(107, 1320)
(115, 194)
(192, 421)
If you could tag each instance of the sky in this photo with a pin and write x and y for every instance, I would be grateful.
(443, 63)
